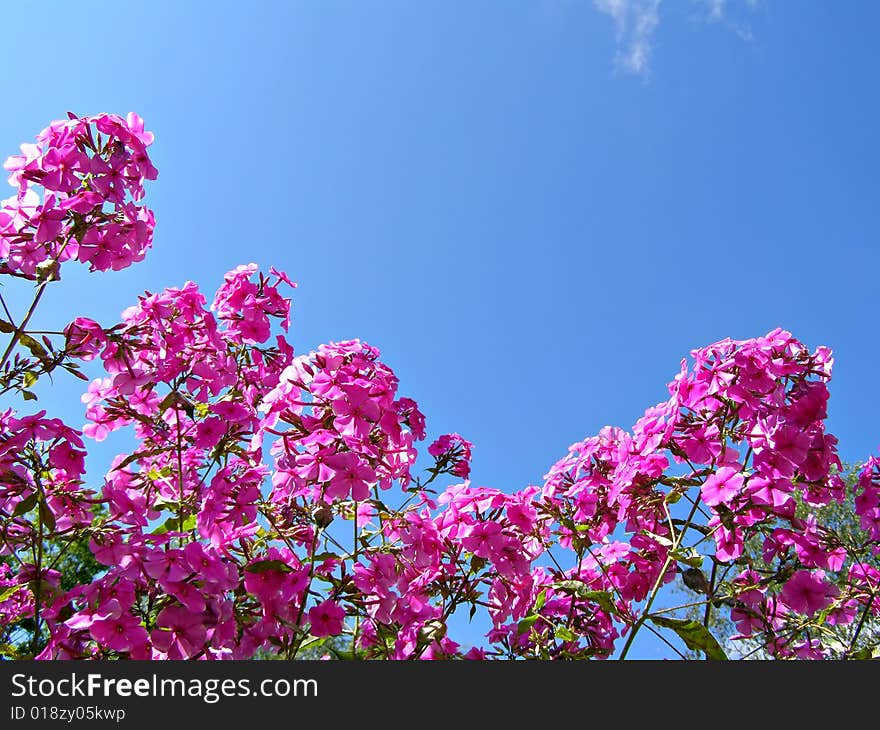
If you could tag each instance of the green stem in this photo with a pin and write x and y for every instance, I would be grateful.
(657, 583)
(35, 643)
(19, 331)
(357, 615)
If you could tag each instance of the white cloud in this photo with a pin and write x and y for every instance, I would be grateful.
(635, 22)
(719, 11)
(714, 9)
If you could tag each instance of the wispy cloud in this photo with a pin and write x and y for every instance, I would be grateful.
(732, 15)
(714, 9)
(635, 22)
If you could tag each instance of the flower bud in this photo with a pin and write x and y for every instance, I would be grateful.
(322, 515)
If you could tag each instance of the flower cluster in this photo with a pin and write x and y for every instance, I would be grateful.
(453, 452)
(77, 193)
(272, 501)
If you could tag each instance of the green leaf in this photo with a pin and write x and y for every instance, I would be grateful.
(310, 641)
(25, 506)
(695, 636)
(5, 326)
(565, 634)
(29, 379)
(321, 557)
(432, 631)
(664, 541)
(202, 409)
(8, 650)
(48, 270)
(262, 566)
(541, 600)
(866, 652)
(9, 591)
(175, 398)
(725, 514)
(37, 350)
(579, 588)
(47, 516)
(167, 401)
(342, 654)
(526, 624)
(74, 370)
(164, 504)
(173, 524)
(689, 557)
(137, 455)
(28, 395)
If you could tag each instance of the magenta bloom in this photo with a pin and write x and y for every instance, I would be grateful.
(326, 619)
(85, 619)
(209, 432)
(181, 633)
(790, 444)
(455, 451)
(352, 476)
(69, 460)
(484, 539)
(168, 565)
(85, 338)
(356, 412)
(209, 566)
(313, 466)
(123, 633)
(807, 592)
(722, 486)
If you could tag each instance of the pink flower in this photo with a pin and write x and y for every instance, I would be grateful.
(485, 539)
(89, 187)
(408, 409)
(110, 609)
(351, 476)
(365, 513)
(453, 452)
(208, 566)
(313, 466)
(167, 565)
(721, 486)
(85, 338)
(122, 633)
(356, 412)
(728, 543)
(327, 619)
(790, 444)
(181, 633)
(807, 592)
(209, 432)
(187, 593)
(69, 460)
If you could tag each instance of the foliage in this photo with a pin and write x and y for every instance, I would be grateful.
(839, 640)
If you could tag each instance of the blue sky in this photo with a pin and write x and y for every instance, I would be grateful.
(534, 208)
